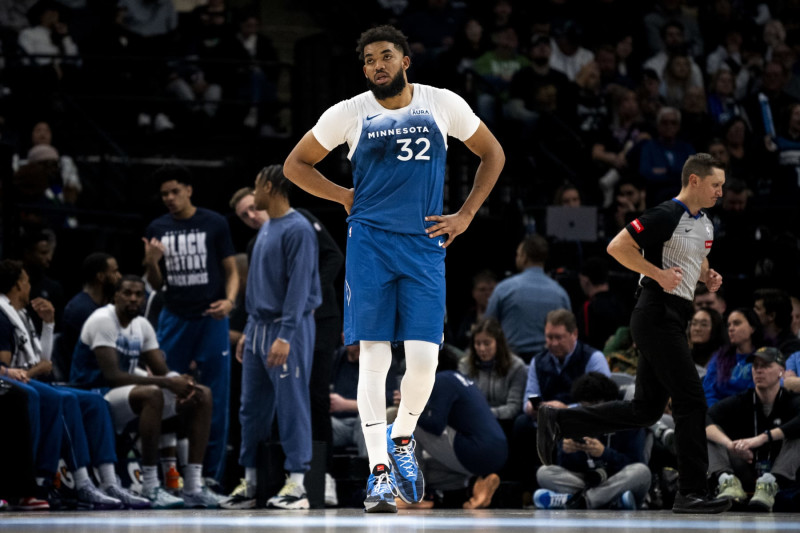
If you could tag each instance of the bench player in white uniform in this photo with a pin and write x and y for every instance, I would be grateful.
(396, 238)
(106, 358)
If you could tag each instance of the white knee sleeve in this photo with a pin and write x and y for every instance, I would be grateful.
(415, 388)
(373, 367)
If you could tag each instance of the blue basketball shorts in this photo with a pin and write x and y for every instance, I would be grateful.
(394, 287)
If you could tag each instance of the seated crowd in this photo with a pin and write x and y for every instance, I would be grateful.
(121, 394)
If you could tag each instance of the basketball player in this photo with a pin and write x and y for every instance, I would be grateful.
(396, 238)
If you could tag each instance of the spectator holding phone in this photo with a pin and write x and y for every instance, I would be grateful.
(598, 471)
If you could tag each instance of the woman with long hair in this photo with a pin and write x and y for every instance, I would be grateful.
(705, 337)
(499, 374)
(728, 371)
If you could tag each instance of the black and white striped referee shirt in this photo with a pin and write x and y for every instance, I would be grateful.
(669, 235)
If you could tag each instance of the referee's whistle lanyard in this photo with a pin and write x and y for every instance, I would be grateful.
(769, 459)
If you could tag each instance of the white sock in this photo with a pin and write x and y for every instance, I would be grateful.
(373, 366)
(149, 478)
(192, 478)
(251, 477)
(415, 389)
(108, 476)
(298, 477)
(81, 477)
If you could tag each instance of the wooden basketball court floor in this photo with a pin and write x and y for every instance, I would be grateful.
(356, 521)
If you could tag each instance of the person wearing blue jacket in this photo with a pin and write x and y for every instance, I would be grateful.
(276, 350)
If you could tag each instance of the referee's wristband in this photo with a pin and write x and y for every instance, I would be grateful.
(284, 341)
(768, 433)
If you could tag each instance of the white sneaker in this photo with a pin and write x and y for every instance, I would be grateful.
(202, 499)
(128, 499)
(291, 496)
(90, 497)
(161, 499)
(331, 499)
(239, 498)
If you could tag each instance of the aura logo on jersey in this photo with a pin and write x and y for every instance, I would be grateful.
(186, 256)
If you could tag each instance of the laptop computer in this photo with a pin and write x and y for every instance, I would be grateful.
(572, 223)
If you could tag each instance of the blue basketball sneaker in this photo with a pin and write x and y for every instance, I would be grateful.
(381, 490)
(410, 482)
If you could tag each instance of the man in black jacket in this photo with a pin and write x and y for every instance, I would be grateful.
(753, 436)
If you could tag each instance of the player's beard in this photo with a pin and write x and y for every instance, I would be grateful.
(394, 87)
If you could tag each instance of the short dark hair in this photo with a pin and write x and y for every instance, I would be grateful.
(94, 264)
(274, 174)
(562, 317)
(171, 172)
(128, 277)
(535, 248)
(672, 24)
(594, 387)
(383, 33)
(699, 164)
(702, 289)
(779, 302)
(10, 272)
(735, 185)
(632, 180)
(31, 238)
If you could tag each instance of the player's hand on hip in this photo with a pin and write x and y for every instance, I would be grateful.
(278, 353)
(670, 278)
(713, 280)
(348, 200)
(450, 225)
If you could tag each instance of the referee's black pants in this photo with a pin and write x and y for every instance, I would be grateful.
(665, 370)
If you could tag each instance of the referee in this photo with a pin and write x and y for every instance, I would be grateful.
(668, 246)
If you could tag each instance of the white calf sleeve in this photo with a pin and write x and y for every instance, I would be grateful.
(373, 367)
(415, 389)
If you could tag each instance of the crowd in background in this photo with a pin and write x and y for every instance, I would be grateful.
(597, 104)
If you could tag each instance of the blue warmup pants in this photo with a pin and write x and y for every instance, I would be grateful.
(205, 341)
(281, 390)
(34, 415)
(73, 423)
